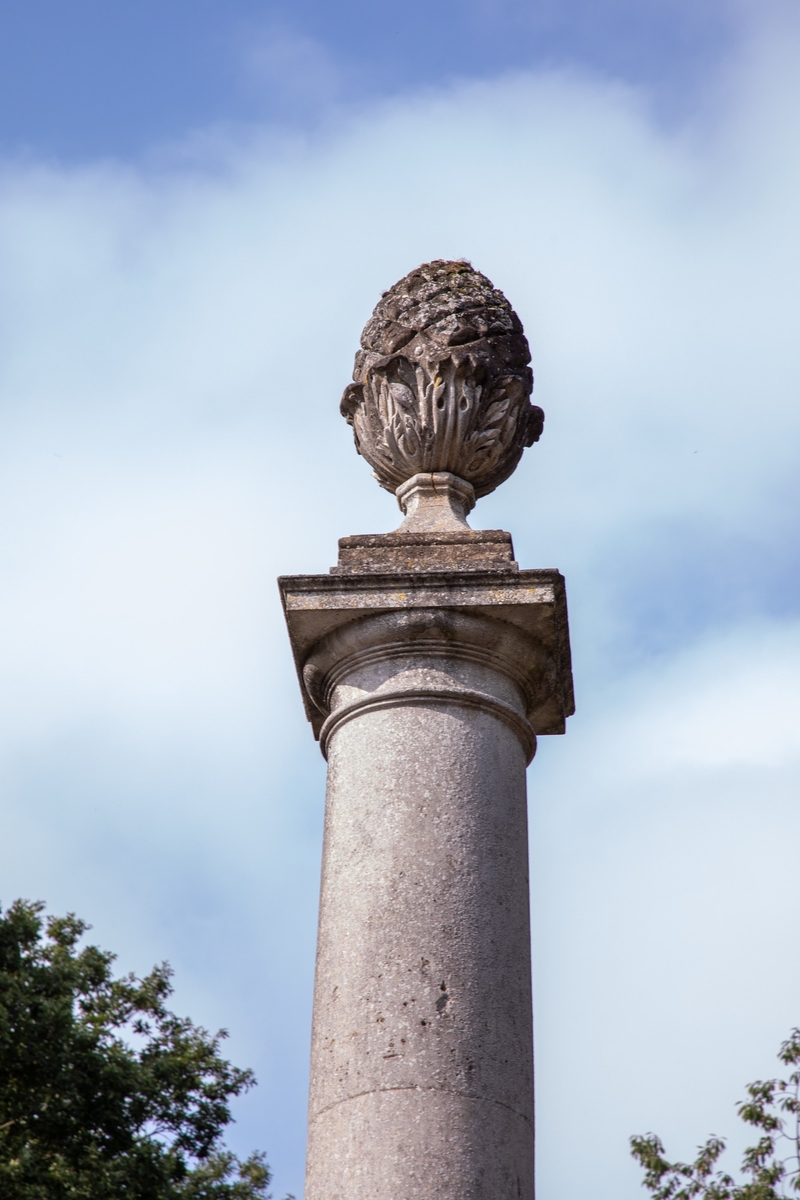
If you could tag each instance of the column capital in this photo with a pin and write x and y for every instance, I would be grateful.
(516, 620)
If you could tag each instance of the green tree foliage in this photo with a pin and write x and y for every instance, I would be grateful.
(104, 1093)
(771, 1167)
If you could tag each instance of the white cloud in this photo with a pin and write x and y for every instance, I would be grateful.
(665, 900)
(173, 343)
(730, 702)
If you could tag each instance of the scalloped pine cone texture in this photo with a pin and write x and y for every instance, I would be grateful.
(442, 381)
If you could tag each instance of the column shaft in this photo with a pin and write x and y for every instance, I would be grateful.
(422, 1063)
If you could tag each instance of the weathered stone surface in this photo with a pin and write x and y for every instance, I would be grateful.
(426, 688)
(429, 664)
(533, 603)
(422, 1072)
(465, 550)
(435, 502)
(442, 381)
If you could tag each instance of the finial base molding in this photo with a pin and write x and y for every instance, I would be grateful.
(435, 502)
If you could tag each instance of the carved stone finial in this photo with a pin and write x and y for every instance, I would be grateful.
(442, 384)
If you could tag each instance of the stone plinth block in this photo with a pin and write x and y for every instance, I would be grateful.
(429, 664)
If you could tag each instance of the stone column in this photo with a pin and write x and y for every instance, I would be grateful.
(429, 663)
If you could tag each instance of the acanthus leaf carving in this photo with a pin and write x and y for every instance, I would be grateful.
(446, 397)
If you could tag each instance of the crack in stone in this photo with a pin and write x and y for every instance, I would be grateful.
(415, 1087)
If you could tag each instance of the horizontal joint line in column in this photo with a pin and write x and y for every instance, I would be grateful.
(443, 697)
(416, 1087)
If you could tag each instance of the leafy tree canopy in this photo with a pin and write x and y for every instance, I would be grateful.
(771, 1168)
(104, 1093)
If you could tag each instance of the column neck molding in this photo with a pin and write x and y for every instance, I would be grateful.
(430, 633)
(425, 653)
(432, 698)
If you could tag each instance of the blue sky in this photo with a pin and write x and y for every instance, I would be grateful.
(196, 218)
(95, 79)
